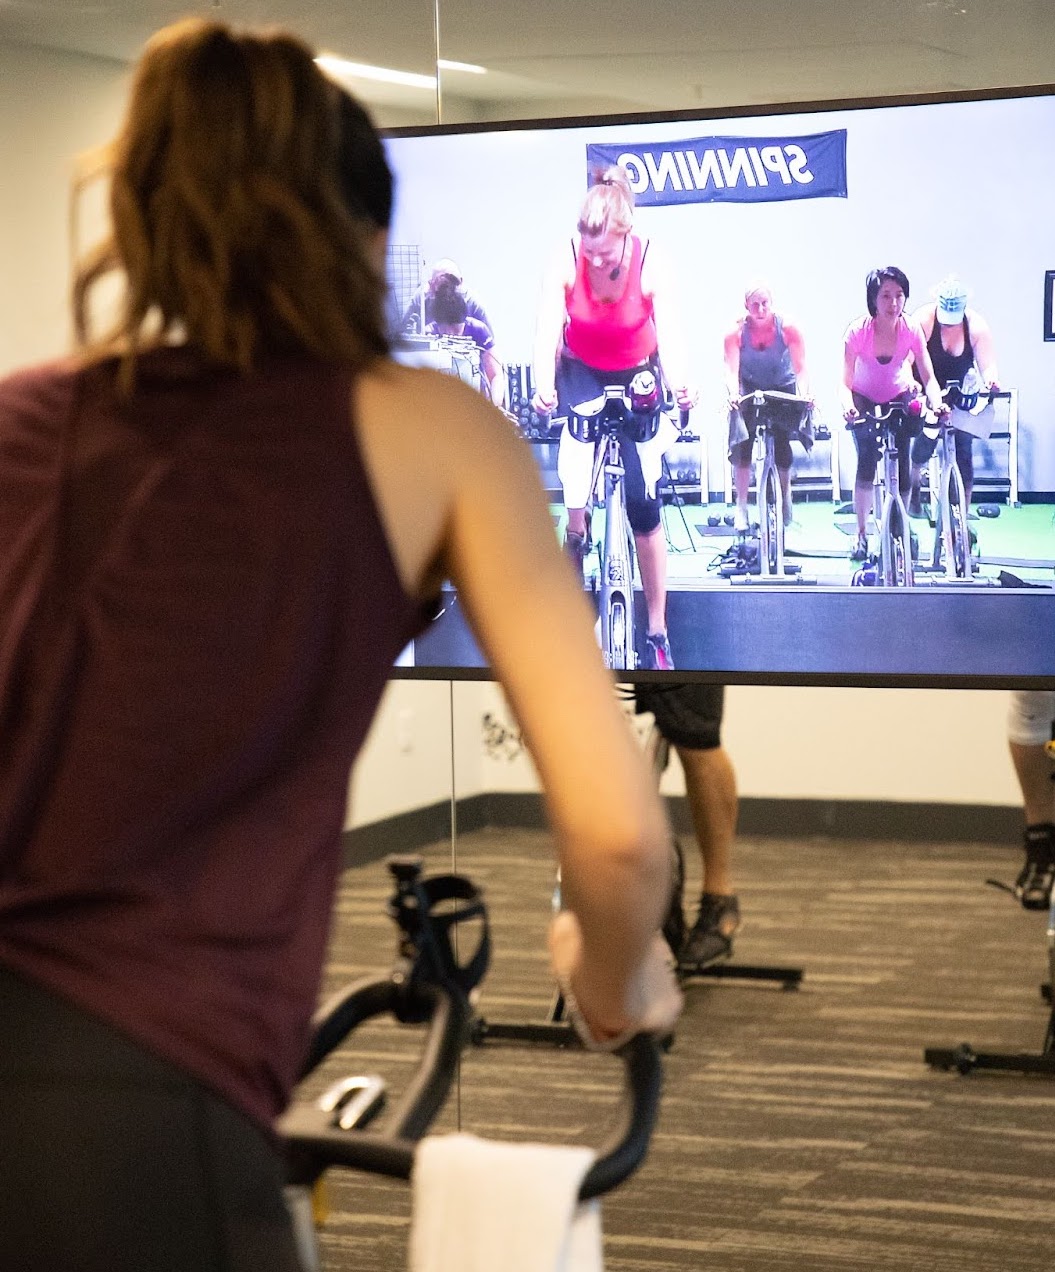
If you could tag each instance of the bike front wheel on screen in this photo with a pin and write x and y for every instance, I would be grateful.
(961, 550)
(898, 571)
(619, 652)
(770, 528)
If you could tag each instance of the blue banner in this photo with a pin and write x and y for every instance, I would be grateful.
(729, 169)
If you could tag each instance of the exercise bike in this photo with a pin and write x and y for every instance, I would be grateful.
(617, 417)
(428, 985)
(756, 409)
(952, 551)
(965, 1059)
(894, 559)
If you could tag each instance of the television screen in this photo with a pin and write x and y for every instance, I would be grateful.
(814, 283)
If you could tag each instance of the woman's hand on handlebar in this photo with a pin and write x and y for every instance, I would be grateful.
(544, 400)
(686, 396)
(650, 1003)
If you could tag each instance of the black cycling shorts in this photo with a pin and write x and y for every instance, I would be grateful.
(688, 715)
(577, 383)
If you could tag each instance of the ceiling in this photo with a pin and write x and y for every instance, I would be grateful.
(549, 57)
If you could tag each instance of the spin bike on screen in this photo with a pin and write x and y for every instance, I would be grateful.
(949, 510)
(618, 416)
(756, 410)
(894, 559)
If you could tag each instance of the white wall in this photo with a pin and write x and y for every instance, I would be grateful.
(53, 107)
(904, 745)
(827, 743)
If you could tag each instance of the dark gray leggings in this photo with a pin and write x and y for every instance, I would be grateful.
(112, 1159)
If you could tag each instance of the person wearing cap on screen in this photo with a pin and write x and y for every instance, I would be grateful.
(960, 346)
(421, 309)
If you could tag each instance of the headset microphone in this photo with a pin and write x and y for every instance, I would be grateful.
(615, 273)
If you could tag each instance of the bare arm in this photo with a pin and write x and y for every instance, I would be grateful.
(984, 354)
(732, 364)
(549, 327)
(797, 350)
(847, 394)
(931, 387)
(461, 498)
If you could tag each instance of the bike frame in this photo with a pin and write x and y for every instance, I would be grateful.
(951, 536)
(768, 492)
(892, 544)
(616, 576)
(770, 507)
(895, 541)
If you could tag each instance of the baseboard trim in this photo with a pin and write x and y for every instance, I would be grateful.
(782, 818)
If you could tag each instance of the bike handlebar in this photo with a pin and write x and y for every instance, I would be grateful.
(886, 414)
(759, 397)
(314, 1140)
(983, 397)
(315, 1143)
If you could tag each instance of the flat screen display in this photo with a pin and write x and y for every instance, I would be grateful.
(752, 237)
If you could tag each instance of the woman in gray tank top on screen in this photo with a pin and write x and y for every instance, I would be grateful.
(762, 351)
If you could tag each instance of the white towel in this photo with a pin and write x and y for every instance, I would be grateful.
(482, 1206)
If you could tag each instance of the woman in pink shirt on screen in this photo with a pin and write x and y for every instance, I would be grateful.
(606, 312)
(879, 354)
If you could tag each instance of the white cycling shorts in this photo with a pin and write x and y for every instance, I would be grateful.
(575, 463)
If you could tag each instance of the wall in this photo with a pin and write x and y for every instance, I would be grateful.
(926, 746)
(52, 108)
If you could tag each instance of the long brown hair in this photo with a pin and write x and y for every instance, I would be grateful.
(229, 223)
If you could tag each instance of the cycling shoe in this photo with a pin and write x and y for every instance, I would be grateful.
(1035, 879)
(657, 652)
(711, 937)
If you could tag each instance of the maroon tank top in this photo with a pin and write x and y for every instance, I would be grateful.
(198, 614)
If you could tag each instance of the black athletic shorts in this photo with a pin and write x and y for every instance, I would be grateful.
(688, 715)
(111, 1159)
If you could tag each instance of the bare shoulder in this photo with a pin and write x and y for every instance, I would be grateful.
(790, 325)
(976, 322)
(429, 412)
(924, 317)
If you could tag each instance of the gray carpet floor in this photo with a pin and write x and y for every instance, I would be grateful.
(799, 1130)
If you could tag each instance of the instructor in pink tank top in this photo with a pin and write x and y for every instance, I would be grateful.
(605, 313)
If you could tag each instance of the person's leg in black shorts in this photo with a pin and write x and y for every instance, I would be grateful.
(689, 717)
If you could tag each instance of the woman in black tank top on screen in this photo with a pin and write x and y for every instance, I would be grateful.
(960, 344)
